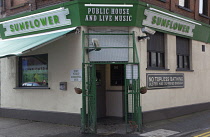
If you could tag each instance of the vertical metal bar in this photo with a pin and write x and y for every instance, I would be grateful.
(140, 111)
(83, 47)
(88, 96)
(83, 99)
(126, 101)
(133, 101)
(135, 49)
(94, 97)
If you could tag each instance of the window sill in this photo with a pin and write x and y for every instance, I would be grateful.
(205, 16)
(163, 1)
(184, 8)
(163, 69)
(188, 70)
(31, 88)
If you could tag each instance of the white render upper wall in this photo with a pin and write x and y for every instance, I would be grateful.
(64, 55)
(196, 88)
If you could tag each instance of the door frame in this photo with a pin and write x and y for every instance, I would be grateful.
(136, 120)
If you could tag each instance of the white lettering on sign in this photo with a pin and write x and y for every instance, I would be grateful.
(76, 75)
(164, 22)
(41, 21)
(165, 80)
(108, 14)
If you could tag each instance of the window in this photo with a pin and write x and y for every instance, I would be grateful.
(117, 74)
(184, 3)
(183, 53)
(203, 7)
(33, 71)
(156, 51)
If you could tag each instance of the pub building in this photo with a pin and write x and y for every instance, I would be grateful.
(76, 62)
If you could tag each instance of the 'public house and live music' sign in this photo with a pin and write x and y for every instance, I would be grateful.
(35, 22)
(108, 14)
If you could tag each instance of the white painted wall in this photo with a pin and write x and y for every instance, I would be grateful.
(197, 85)
(66, 54)
(63, 55)
(114, 106)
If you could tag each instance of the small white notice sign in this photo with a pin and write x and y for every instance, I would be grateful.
(132, 71)
(76, 75)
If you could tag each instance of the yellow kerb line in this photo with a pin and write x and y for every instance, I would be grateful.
(207, 135)
(201, 135)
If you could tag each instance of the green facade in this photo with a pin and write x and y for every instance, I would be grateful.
(103, 13)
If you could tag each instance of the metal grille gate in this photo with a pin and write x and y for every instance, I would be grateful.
(132, 87)
(89, 99)
(132, 98)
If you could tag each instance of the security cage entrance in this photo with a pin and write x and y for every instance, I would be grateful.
(110, 48)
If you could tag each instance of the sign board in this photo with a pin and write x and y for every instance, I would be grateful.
(167, 23)
(132, 71)
(35, 22)
(109, 14)
(165, 80)
(76, 75)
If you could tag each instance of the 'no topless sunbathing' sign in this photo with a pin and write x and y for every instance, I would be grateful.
(35, 22)
(165, 80)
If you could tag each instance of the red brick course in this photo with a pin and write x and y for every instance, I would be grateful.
(13, 7)
(19, 6)
(173, 6)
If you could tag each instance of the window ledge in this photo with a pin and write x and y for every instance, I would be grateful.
(31, 88)
(188, 70)
(184, 8)
(163, 69)
(163, 1)
(205, 16)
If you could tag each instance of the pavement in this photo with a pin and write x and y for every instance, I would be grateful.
(184, 126)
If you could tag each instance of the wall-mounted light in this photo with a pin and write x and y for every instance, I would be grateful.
(148, 30)
(143, 37)
(96, 46)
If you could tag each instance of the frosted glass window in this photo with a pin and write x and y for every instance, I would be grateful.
(109, 54)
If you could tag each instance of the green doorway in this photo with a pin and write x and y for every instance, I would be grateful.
(97, 96)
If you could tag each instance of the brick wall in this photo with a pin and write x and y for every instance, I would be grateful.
(173, 6)
(13, 7)
(159, 3)
(17, 2)
(46, 3)
(16, 6)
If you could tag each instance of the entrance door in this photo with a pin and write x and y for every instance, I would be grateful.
(100, 91)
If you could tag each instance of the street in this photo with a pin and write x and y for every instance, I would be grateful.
(194, 125)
